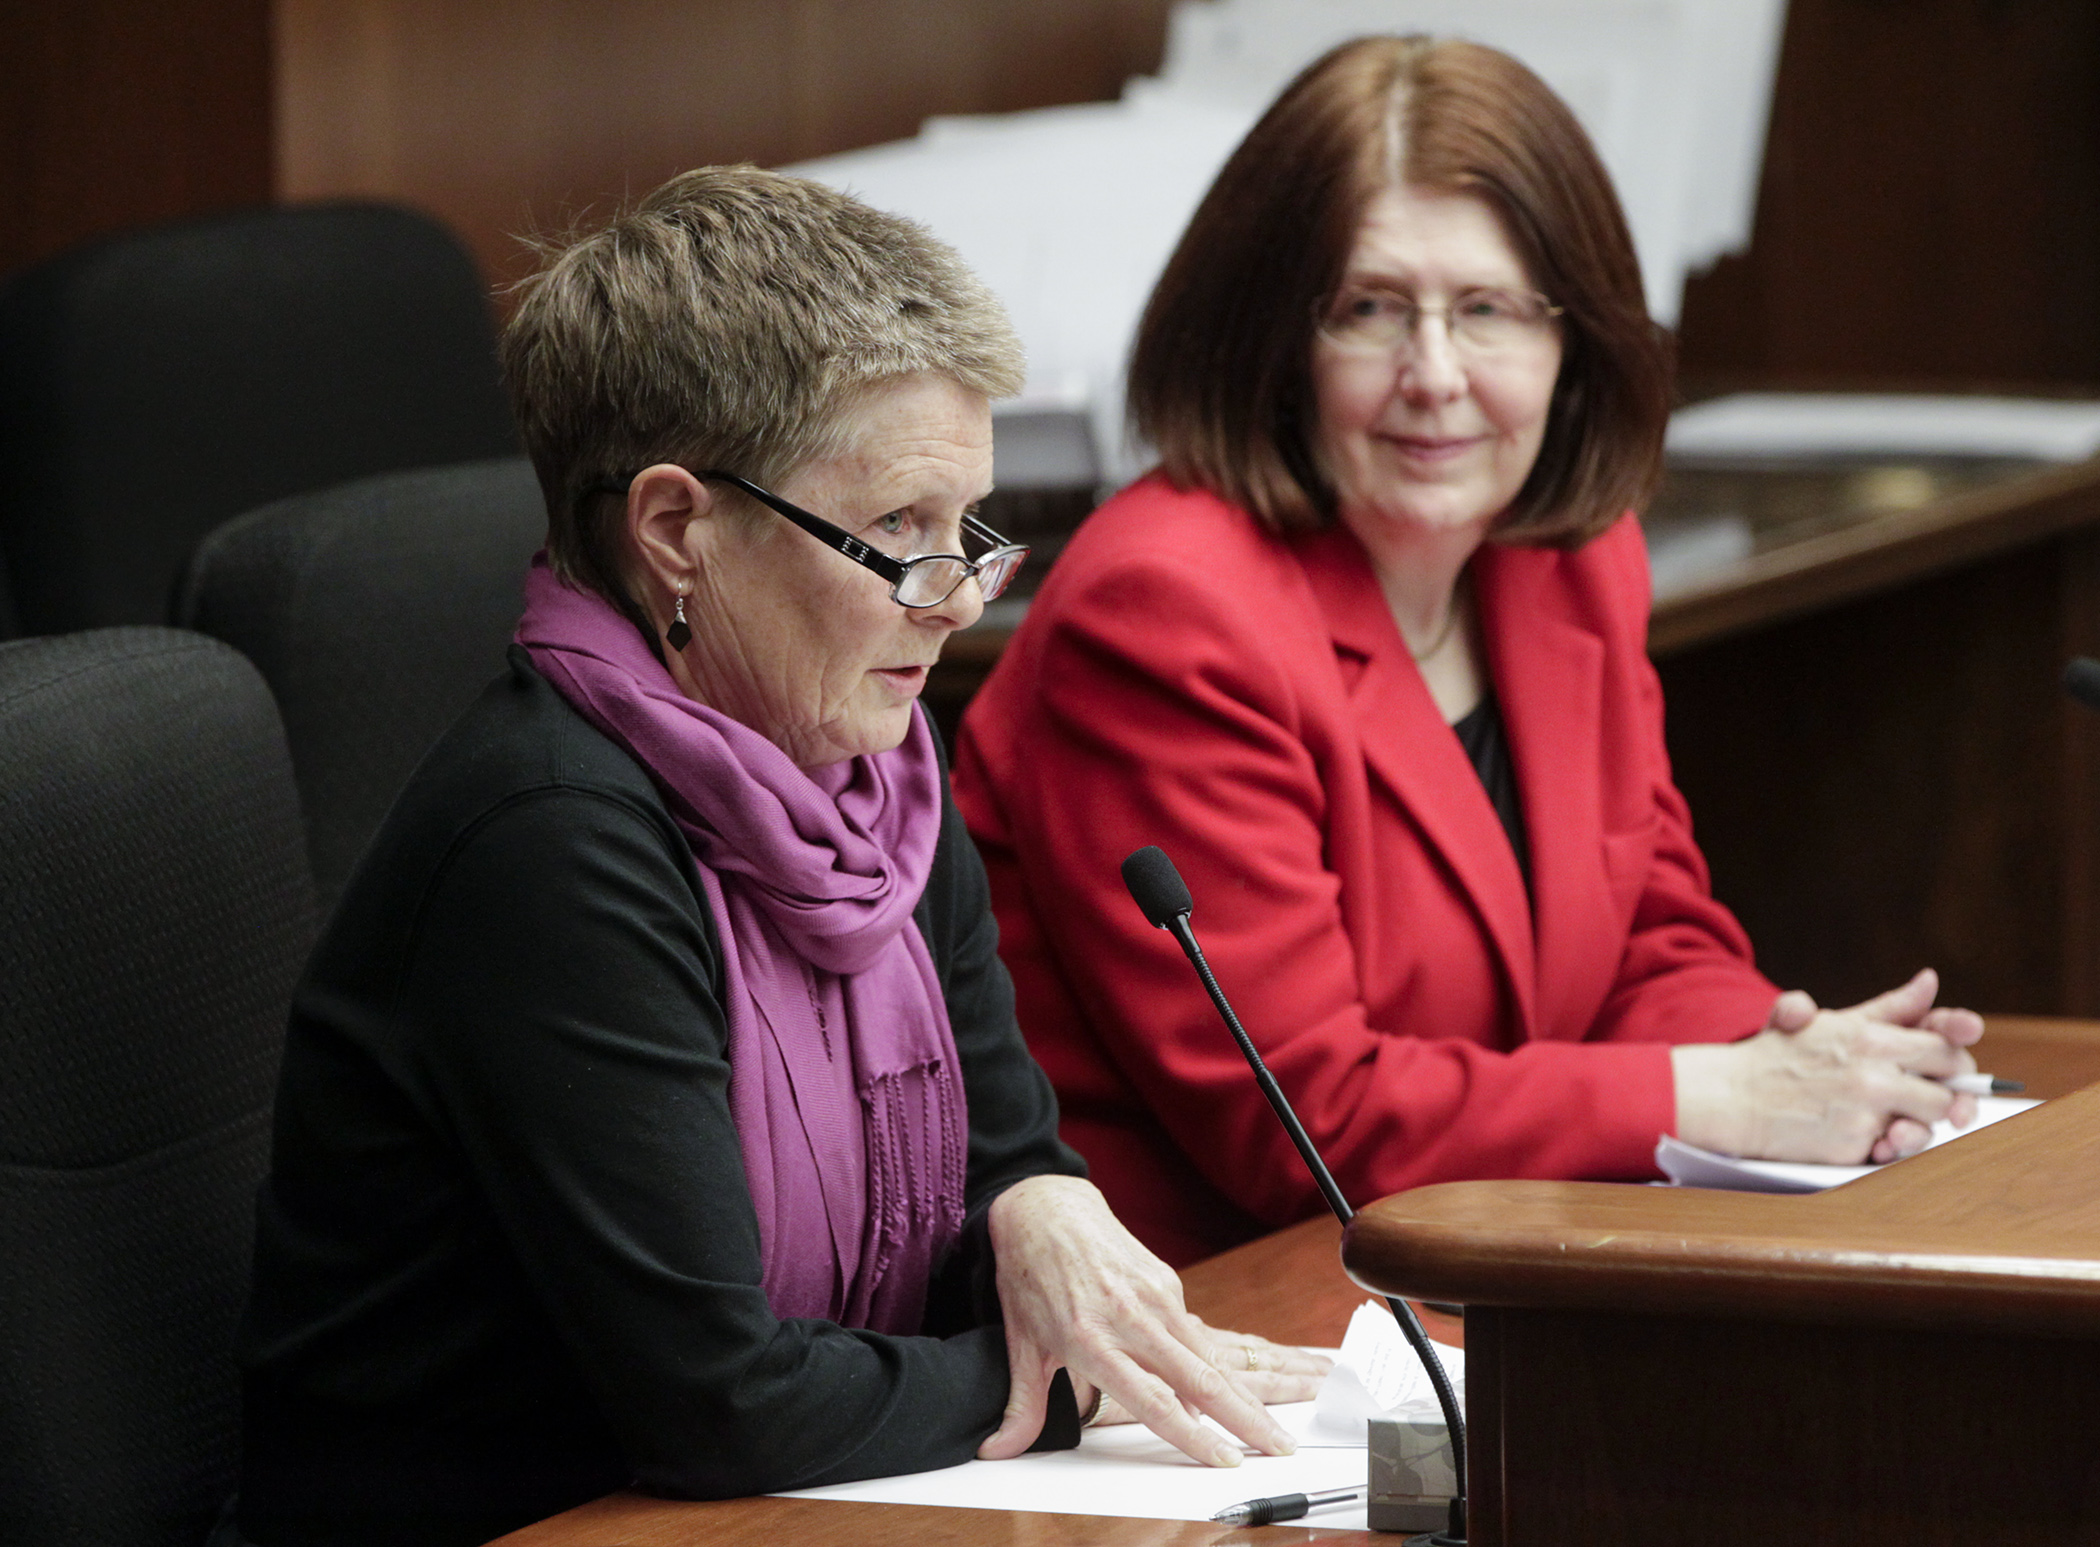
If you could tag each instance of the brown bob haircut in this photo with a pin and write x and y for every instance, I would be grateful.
(1221, 372)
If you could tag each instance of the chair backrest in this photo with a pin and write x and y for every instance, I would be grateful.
(155, 909)
(157, 384)
(376, 611)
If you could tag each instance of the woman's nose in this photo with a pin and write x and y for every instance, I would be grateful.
(1432, 366)
(964, 606)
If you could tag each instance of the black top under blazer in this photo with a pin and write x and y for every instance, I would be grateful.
(506, 1257)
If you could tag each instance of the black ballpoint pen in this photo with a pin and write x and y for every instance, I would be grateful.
(1285, 1506)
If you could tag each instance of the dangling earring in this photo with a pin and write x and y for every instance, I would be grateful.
(678, 635)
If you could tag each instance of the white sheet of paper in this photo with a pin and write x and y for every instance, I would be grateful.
(1690, 1166)
(1125, 1469)
(1377, 1373)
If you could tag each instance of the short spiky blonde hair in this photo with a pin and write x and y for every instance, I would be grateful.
(730, 320)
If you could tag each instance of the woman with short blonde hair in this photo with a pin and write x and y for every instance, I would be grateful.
(652, 1112)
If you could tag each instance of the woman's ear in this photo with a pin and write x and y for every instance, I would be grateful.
(665, 506)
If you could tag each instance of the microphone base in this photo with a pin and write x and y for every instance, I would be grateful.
(1434, 1539)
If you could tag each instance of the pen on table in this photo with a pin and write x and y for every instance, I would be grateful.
(1984, 1085)
(1285, 1506)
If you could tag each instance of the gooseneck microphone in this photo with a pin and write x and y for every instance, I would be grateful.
(1163, 897)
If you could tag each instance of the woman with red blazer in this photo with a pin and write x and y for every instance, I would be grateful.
(1367, 658)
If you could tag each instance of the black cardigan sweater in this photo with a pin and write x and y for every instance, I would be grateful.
(506, 1260)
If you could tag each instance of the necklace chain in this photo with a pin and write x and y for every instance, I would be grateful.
(1443, 635)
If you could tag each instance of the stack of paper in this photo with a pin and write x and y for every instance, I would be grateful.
(1378, 1375)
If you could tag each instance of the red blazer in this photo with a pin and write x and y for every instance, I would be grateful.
(1246, 702)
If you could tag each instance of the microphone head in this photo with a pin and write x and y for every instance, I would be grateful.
(2082, 681)
(1156, 886)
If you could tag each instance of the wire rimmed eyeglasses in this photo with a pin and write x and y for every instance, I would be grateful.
(1484, 320)
(926, 580)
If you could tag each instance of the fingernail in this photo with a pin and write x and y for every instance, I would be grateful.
(1227, 1456)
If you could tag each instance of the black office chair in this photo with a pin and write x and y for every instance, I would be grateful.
(376, 611)
(155, 908)
(157, 384)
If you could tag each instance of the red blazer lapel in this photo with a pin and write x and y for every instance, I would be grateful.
(1549, 679)
(1409, 748)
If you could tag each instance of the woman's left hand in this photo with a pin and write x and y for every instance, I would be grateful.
(1911, 1005)
(1081, 1293)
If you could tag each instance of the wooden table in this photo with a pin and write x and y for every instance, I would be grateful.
(1289, 1286)
(1912, 1360)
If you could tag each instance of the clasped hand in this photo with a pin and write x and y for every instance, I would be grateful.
(1835, 1086)
(1079, 1292)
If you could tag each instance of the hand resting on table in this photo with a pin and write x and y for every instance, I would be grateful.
(1079, 1292)
(1839, 1087)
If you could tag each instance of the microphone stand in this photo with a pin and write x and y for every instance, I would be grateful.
(1163, 897)
(1454, 1535)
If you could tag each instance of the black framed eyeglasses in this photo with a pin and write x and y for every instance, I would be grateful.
(924, 581)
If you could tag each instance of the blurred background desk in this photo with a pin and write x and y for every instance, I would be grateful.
(1864, 715)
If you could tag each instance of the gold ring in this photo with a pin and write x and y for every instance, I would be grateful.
(1253, 1358)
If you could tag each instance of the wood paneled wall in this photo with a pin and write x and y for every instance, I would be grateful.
(510, 116)
(118, 113)
(1930, 209)
(1931, 201)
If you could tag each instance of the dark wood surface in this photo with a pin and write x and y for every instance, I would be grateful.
(2052, 1056)
(2001, 1231)
(629, 1520)
(1931, 1243)
(121, 113)
(1906, 1361)
(1604, 1429)
(1923, 211)
(1887, 776)
(522, 117)
(1290, 1287)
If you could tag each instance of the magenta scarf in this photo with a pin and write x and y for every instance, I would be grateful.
(843, 1079)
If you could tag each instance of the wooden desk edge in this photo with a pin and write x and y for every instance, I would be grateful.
(639, 1520)
(1998, 1233)
(1876, 555)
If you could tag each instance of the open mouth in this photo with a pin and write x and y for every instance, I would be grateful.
(909, 678)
